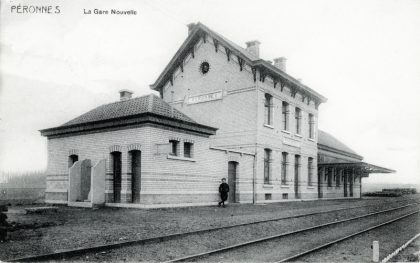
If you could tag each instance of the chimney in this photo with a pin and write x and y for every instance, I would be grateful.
(280, 63)
(253, 47)
(125, 94)
(191, 27)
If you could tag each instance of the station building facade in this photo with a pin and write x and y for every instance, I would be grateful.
(222, 112)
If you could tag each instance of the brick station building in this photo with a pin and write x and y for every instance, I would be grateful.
(222, 112)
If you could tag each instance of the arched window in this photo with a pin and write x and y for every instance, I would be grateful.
(310, 170)
(268, 107)
(283, 167)
(267, 164)
(72, 159)
(298, 118)
(285, 115)
(311, 123)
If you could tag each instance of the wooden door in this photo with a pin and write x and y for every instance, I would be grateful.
(351, 185)
(296, 181)
(116, 161)
(232, 172)
(136, 176)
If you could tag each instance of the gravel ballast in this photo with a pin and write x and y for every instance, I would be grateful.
(77, 227)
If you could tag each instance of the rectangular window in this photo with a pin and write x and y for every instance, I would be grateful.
(267, 196)
(268, 109)
(285, 196)
(174, 147)
(285, 115)
(310, 170)
(311, 125)
(298, 117)
(188, 147)
(283, 168)
(267, 169)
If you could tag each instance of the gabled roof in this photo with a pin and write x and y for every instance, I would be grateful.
(328, 142)
(199, 31)
(149, 108)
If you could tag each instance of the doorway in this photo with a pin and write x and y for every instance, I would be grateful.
(116, 172)
(345, 182)
(232, 175)
(351, 185)
(296, 182)
(135, 175)
(320, 182)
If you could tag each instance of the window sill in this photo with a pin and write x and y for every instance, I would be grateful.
(298, 135)
(174, 157)
(284, 186)
(284, 131)
(268, 126)
(311, 139)
(310, 187)
(268, 186)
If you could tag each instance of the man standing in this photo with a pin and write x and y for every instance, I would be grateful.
(223, 190)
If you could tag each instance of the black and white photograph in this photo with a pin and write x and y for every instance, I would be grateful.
(209, 131)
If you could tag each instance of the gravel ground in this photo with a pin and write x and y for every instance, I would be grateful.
(284, 247)
(411, 253)
(358, 248)
(208, 241)
(77, 227)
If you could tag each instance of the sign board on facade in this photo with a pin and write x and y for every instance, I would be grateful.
(291, 142)
(205, 97)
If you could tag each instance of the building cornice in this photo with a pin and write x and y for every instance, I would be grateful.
(128, 122)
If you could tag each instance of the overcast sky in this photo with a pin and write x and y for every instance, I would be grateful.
(364, 56)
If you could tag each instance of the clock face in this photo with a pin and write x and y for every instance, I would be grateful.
(204, 67)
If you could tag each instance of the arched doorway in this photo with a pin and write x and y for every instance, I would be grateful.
(135, 157)
(232, 176)
(116, 173)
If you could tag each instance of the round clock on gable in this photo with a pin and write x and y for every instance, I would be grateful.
(204, 67)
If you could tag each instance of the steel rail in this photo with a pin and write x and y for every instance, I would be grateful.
(224, 249)
(77, 251)
(294, 257)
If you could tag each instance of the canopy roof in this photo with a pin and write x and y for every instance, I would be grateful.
(366, 168)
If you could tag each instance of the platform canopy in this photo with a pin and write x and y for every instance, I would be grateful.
(362, 167)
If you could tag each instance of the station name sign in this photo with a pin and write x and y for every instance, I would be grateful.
(205, 97)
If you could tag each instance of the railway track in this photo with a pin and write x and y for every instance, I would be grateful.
(295, 256)
(79, 251)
